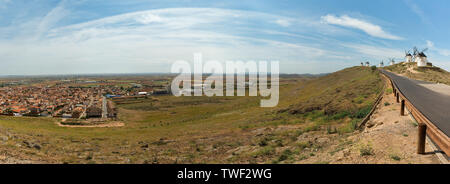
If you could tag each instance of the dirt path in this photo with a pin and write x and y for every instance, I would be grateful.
(440, 88)
(106, 125)
(6, 159)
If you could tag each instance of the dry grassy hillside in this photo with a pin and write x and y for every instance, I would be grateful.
(346, 95)
(312, 115)
(345, 90)
(431, 74)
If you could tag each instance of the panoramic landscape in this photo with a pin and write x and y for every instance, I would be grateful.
(99, 82)
(319, 119)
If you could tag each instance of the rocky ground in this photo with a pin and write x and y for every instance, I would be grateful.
(386, 138)
(10, 155)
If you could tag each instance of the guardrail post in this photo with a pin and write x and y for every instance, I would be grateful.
(398, 98)
(421, 138)
(394, 91)
(402, 108)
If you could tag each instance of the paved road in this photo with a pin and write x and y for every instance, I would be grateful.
(435, 106)
(84, 112)
(104, 108)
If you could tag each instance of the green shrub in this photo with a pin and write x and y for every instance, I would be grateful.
(350, 127)
(279, 143)
(263, 142)
(265, 151)
(313, 127)
(359, 99)
(363, 112)
(285, 155)
(331, 130)
(373, 68)
(366, 151)
(338, 116)
(315, 114)
(303, 145)
(389, 91)
(395, 157)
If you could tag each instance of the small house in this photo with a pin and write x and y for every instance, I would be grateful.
(94, 112)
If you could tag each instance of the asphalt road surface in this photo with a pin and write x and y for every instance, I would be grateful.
(433, 105)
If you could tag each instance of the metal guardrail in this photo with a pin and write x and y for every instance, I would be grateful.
(375, 105)
(426, 127)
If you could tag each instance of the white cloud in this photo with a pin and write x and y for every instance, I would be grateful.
(51, 18)
(444, 52)
(283, 22)
(149, 18)
(149, 41)
(417, 10)
(441, 51)
(369, 28)
(4, 3)
(376, 52)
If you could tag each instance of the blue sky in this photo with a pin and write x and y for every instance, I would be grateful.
(140, 36)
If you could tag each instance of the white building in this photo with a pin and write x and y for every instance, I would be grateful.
(367, 63)
(408, 58)
(421, 59)
(392, 62)
(66, 116)
(142, 93)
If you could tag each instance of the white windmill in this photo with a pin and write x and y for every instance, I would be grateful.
(392, 61)
(408, 56)
(419, 57)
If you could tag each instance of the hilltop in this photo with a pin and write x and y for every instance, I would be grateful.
(346, 90)
(346, 95)
(428, 73)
